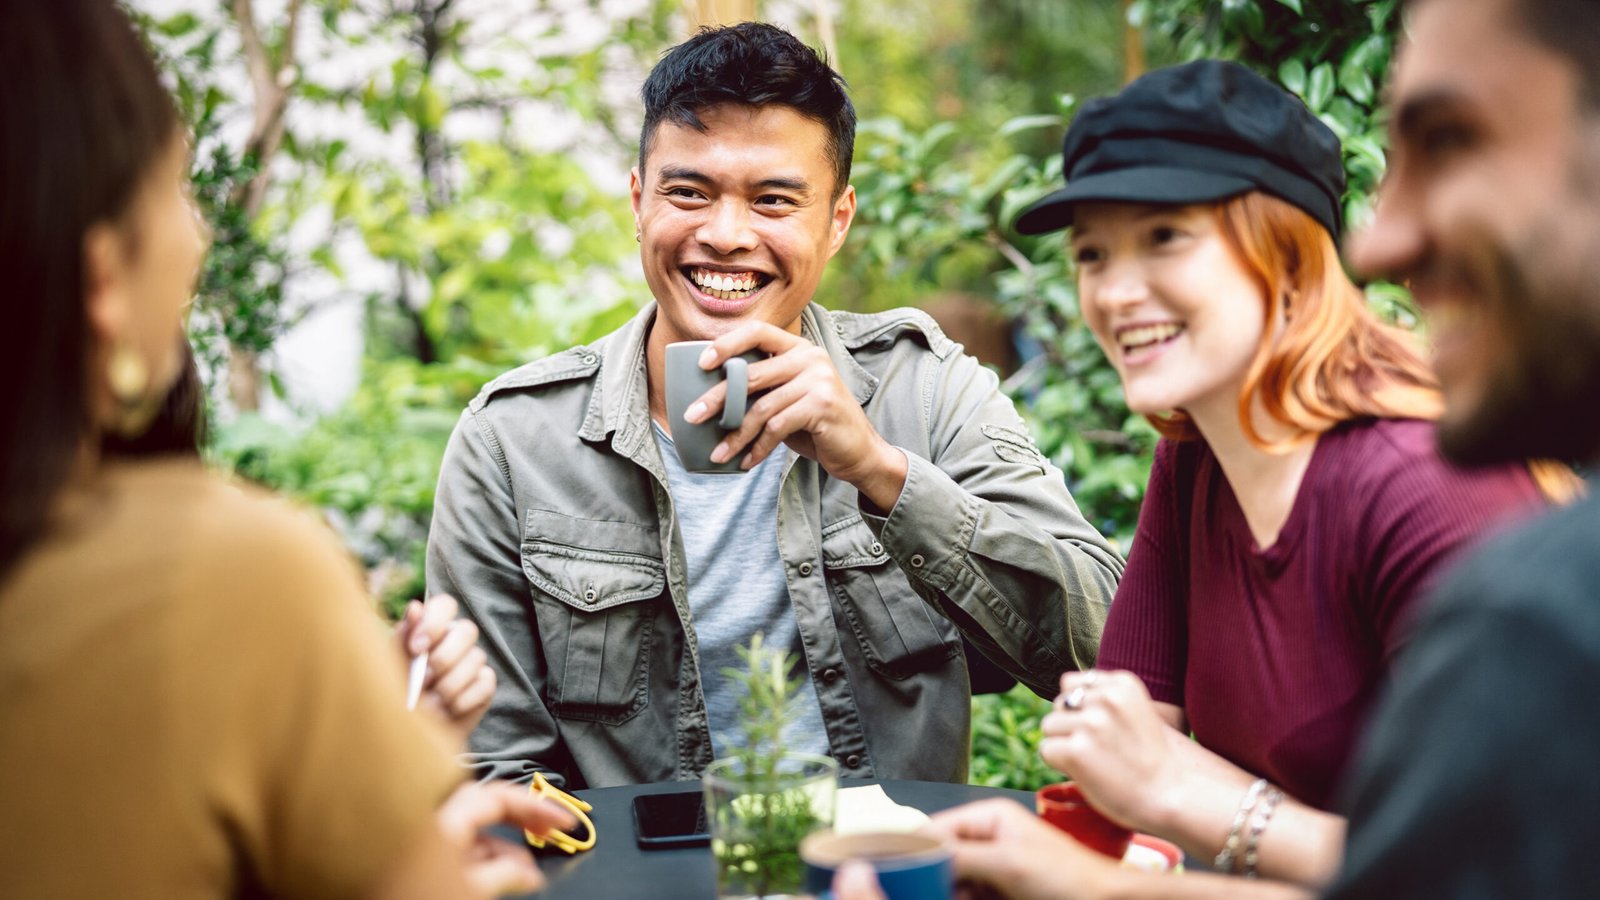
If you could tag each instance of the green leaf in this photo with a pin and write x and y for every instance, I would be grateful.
(1319, 87)
(178, 25)
(1292, 75)
(1371, 53)
(1356, 82)
(933, 137)
(454, 284)
(1002, 178)
(1294, 5)
(430, 107)
(1246, 16)
(324, 257)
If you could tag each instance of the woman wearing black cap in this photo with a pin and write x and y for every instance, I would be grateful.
(1296, 511)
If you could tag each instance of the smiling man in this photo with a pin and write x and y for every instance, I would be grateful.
(889, 501)
(1479, 779)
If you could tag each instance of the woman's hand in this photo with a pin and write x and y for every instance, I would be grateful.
(457, 858)
(494, 866)
(1106, 734)
(459, 682)
(1111, 738)
(1003, 849)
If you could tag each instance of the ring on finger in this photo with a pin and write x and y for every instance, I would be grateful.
(1073, 699)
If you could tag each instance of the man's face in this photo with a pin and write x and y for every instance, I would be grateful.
(737, 223)
(1491, 211)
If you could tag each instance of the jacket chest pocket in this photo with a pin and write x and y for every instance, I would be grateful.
(898, 633)
(594, 586)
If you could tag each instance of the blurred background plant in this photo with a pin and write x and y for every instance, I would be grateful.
(447, 178)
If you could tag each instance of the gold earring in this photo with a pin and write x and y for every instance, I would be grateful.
(127, 373)
(638, 237)
(129, 378)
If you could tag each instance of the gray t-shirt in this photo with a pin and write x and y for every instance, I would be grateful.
(729, 524)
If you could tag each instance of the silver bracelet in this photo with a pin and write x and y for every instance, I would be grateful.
(1258, 823)
(1233, 844)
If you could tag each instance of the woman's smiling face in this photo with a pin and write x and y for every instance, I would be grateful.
(1171, 303)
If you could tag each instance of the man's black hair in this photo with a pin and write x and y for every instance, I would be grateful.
(1570, 28)
(749, 64)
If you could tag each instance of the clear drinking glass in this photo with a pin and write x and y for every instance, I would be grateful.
(758, 810)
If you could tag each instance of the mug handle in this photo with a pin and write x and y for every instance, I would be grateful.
(737, 371)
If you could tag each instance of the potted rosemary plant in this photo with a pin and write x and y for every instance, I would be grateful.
(762, 798)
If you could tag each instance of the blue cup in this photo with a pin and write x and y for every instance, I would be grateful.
(909, 866)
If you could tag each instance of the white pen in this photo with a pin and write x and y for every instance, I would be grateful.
(419, 671)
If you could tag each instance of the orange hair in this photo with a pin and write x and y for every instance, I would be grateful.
(1331, 360)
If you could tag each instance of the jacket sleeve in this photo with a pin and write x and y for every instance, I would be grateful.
(987, 531)
(474, 555)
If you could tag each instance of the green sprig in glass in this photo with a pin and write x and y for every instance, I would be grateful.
(763, 798)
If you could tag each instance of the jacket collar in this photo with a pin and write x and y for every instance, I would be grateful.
(819, 326)
(620, 404)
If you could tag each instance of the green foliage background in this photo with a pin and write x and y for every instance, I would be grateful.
(502, 250)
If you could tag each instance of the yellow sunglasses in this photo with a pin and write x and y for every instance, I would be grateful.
(560, 840)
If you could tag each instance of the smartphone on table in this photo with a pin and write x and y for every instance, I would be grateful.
(676, 819)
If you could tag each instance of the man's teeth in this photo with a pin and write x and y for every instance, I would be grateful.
(723, 285)
(1144, 335)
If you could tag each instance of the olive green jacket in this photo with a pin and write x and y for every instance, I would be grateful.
(554, 529)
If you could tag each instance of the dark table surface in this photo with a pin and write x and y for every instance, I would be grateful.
(616, 869)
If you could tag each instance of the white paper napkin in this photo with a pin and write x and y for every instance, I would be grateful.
(868, 808)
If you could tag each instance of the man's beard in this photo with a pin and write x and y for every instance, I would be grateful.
(1542, 397)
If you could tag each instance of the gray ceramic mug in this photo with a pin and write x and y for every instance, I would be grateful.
(686, 381)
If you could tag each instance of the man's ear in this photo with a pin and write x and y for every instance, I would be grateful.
(107, 304)
(844, 212)
(636, 193)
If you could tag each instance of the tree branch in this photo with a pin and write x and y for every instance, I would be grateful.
(270, 81)
(1012, 254)
(255, 52)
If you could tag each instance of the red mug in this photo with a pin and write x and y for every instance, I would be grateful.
(1063, 806)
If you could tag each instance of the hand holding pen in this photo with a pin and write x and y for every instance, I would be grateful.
(449, 672)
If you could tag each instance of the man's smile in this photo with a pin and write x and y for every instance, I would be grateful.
(725, 291)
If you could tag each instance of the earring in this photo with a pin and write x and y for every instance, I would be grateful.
(129, 378)
(128, 374)
(638, 237)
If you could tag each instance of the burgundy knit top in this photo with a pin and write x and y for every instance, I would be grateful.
(1276, 655)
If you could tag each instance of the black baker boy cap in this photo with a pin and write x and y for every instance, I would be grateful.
(1196, 133)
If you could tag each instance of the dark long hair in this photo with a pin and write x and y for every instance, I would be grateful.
(83, 119)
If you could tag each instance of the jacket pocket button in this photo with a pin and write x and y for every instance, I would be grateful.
(876, 549)
(917, 560)
(590, 595)
(805, 569)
